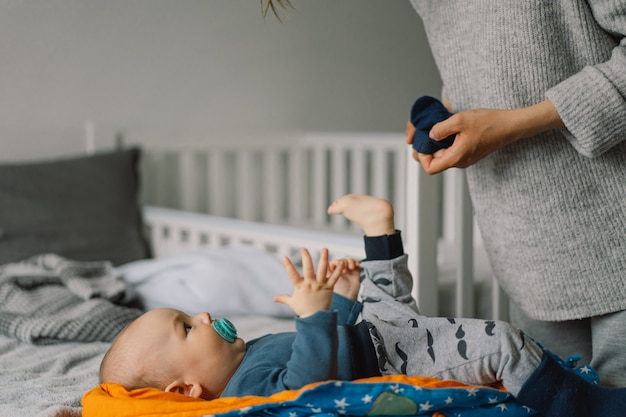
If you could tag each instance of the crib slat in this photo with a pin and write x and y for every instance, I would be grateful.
(499, 301)
(421, 236)
(217, 192)
(358, 174)
(399, 191)
(245, 201)
(188, 184)
(338, 186)
(319, 178)
(161, 176)
(449, 205)
(379, 174)
(296, 196)
(465, 248)
(271, 184)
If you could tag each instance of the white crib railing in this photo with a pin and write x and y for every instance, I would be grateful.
(278, 182)
(291, 182)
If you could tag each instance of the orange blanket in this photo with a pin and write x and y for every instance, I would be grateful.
(390, 395)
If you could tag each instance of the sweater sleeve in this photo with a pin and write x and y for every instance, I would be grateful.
(282, 361)
(592, 102)
(314, 351)
(347, 310)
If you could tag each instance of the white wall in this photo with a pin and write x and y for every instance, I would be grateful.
(198, 66)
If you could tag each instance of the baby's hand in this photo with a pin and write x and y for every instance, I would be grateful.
(312, 292)
(349, 281)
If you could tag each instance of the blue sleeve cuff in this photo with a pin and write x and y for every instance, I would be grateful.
(347, 310)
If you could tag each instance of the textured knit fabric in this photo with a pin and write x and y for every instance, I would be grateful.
(49, 299)
(551, 209)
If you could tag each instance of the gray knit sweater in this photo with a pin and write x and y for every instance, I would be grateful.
(551, 209)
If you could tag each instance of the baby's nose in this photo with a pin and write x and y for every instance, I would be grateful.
(205, 318)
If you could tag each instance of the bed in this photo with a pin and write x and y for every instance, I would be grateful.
(112, 232)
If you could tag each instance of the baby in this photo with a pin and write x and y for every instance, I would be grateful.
(202, 357)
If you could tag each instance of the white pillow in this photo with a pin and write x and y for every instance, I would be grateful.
(229, 281)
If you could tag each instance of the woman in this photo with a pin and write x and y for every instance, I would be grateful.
(540, 94)
(539, 91)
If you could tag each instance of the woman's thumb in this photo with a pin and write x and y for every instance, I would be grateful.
(443, 129)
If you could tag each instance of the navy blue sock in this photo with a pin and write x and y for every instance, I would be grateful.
(554, 391)
(425, 113)
(383, 248)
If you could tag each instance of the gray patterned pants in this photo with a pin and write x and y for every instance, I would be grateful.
(473, 351)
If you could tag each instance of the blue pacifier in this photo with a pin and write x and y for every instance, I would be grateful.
(225, 329)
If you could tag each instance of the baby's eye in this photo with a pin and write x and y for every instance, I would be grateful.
(187, 328)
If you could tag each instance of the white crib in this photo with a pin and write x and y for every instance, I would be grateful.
(290, 182)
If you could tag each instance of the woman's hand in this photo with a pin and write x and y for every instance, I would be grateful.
(312, 291)
(480, 132)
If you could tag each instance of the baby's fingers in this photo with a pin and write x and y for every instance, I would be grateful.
(308, 271)
(336, 274)
(352, 264)
(282, 298)
(291, 270)
(322, 266)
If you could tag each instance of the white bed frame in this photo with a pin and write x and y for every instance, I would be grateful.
(273, 193)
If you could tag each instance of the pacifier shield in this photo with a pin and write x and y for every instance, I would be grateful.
(225, 329)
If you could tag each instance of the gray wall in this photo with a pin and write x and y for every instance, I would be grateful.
(205, 66)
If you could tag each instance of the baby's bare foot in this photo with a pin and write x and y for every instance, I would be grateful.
(373, 215)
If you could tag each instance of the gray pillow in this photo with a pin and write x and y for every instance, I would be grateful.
(83, 208)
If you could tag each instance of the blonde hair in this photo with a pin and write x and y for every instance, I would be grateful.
(267, 5)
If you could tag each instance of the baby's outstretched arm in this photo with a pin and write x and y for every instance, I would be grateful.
(313, 291)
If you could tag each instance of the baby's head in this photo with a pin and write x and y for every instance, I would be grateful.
(172, 351)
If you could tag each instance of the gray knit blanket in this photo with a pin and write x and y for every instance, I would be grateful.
(49, 299)
(49, 380)
(56, 320)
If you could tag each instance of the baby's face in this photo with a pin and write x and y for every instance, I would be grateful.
(192, 348)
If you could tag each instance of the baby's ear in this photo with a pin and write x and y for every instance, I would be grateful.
(190, 389)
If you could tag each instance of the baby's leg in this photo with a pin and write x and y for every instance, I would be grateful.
(373, 215)
(476, 352)
(472, 351)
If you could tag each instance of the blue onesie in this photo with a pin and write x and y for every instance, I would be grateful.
(326, 345)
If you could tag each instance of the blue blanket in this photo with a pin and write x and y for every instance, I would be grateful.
(392, 398)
